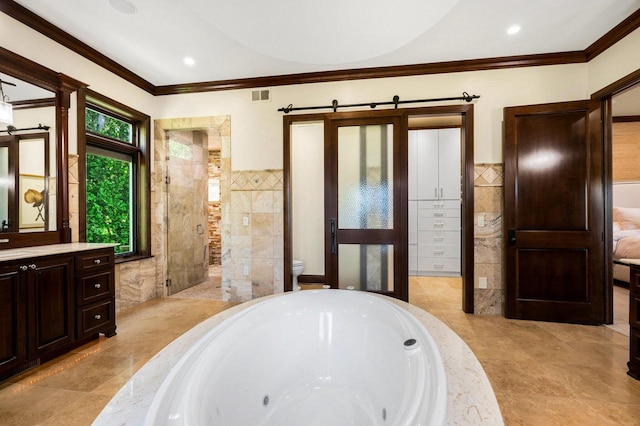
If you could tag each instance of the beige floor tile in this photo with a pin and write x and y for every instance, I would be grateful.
(542, 373)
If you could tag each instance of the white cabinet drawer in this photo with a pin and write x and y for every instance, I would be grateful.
(441, 223)
(439, 250)
(436, 265)
(438, 237)
(439, 204)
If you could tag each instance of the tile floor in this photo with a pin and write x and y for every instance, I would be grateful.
(542, 373)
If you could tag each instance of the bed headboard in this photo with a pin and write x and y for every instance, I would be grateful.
(626, 194)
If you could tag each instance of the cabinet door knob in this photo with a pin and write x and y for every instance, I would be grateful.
(32, 266)
(24, 267)
(97, 285)
(97, 316)
(97, 261)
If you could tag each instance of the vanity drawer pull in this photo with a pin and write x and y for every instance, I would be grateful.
(24, 267)
(97, 316)
(32, 266)
(97, 285)
(97, 261)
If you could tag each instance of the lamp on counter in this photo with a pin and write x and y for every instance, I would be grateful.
(6, 109)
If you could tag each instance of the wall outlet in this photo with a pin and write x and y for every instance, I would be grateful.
(480, 221)
(245, 270)
(482, 282)
(245, 220)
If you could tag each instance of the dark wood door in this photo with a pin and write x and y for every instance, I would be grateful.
(365, 204)
(12, 319)
(51, 307)
(553, 213)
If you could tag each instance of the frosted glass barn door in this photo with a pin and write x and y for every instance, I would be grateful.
(364, 221)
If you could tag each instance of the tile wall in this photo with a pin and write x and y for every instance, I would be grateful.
(488, 256)
(255, 255)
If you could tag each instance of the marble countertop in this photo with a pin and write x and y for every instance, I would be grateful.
(48, 250)
(471, 399)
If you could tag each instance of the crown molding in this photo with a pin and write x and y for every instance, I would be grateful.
(44, 27)
(616, 34)
(379, 72)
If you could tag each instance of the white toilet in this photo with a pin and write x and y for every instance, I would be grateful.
(296, 269)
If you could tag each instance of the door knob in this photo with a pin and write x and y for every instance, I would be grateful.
(511, 236)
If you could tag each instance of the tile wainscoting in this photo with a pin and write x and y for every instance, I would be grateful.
(252, 263)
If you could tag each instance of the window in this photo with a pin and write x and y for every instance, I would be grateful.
(114, 188)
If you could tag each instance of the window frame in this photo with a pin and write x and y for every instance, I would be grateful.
(138, 149)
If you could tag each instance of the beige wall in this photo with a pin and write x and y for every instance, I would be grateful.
(619, 60)
(257, 127)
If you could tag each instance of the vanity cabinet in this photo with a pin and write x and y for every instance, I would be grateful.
(50, 304)
(13, 326)
(50, 307)
(95, 294)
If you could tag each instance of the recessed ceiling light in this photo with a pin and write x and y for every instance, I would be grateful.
(124, 6)
(189, 61)
(514, 29)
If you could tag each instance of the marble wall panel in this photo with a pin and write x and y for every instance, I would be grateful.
(488, 250)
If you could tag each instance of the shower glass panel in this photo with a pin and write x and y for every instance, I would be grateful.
(187, 203)
(366, 267)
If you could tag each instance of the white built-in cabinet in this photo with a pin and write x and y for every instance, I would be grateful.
(434, 202)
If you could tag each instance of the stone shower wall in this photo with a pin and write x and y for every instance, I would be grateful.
(488, 253)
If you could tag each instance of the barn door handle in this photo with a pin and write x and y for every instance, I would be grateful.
(334, 248)
(512, 236)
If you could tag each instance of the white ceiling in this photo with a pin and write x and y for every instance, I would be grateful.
(256, 38)
(231, 39)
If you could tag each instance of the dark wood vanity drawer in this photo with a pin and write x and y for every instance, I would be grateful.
(94, 261)
(92, 288)
(96, 318)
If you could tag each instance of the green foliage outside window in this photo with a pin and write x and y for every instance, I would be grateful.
(108, 187)
(108, 201)
(108, 126)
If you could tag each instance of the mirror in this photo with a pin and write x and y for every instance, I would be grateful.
(28, 159)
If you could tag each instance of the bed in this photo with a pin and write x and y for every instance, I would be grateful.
(626, 226)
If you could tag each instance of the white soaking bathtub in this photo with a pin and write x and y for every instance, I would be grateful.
(323, 357)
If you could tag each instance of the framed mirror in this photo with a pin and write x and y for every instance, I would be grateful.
(34, 206)
(27, 158)
(27, 186)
